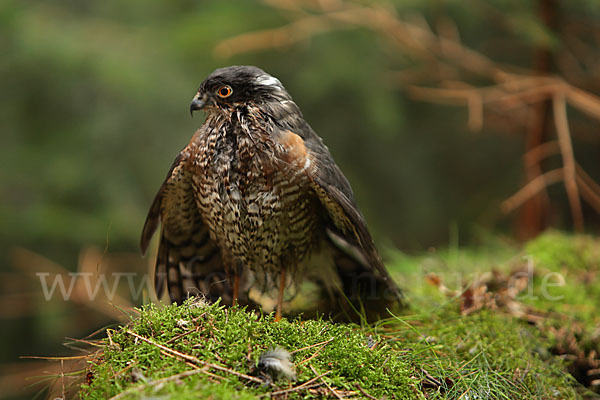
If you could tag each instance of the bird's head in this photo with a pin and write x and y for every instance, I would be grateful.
(229, 87)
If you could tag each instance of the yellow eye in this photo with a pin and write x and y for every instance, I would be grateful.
(224, 91)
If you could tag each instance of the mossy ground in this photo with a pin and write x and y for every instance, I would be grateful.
(435, 349)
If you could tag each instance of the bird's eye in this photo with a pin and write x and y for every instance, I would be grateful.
(224, 91)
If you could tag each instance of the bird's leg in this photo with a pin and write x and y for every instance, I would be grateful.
(237, 273)
(236, 287)
(235, 269)
(280, 297)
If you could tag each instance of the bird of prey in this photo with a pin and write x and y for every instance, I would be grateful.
(257, 193)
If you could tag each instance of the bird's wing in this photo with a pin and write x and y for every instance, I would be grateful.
(359, 262)
(188, 260)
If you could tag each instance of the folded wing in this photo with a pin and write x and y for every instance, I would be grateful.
(363, 276)
(188, 261)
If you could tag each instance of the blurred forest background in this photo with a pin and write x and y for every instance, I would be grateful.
(448, 117)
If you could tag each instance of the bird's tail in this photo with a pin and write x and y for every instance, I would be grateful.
(365, 293)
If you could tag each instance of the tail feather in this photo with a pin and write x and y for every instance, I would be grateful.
(362, 286)
(160, 271)
(195, 267)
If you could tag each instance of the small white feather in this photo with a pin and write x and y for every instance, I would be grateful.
(277, 363)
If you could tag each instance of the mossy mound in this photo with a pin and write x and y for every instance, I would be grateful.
(478, 339)
(234, 339)
(442, 355)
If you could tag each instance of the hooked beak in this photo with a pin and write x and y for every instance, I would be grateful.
(197, 104)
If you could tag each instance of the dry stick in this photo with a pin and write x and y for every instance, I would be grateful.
(365, 393)
(541, 152)
(464, 394)
(549, 88)
(588, 179)
(509, 100)
(296, 31)
(584, 101)
(566, 147)
(305, 385)
(115, 374)
(62, 377)
(195, 360)
(157, 382)
(194, 366)
(412, 38)
(293, 389)
(316, 353)
(590, 190)
(591, 197)
(180, 336)
(94, 343)
(520, 91)
(418, 39)
(325, 343)
(332, 390)
(475, 109)
(441, 96)
(110, 340)
(311, 346)
(531, 220)
(531, 189)
(55, 358)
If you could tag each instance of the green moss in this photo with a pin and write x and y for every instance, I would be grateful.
(566, 276)
(431, 351)
(559, 251)
(234, 338)
(486, 355)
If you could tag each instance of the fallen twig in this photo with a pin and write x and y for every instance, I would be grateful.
(332, 390)
(311, 346)
(157, 382)
(195, 360)
(365, 393)
(305, 385)
(316, 352)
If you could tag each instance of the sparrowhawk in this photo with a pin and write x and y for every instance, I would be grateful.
(256, 197)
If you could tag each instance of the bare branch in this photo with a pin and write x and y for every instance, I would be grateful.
(537, 154)
(531, 189)
(443, 56)
(590, 190)
(566, 147)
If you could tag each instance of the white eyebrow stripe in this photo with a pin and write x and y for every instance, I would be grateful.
(268, 80)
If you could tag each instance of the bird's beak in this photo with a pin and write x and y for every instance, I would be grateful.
(198, 103)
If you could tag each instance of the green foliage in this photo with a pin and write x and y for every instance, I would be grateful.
(566, 275)
(235, 339)
(567, 284)
(485, 355)
(558, 251)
